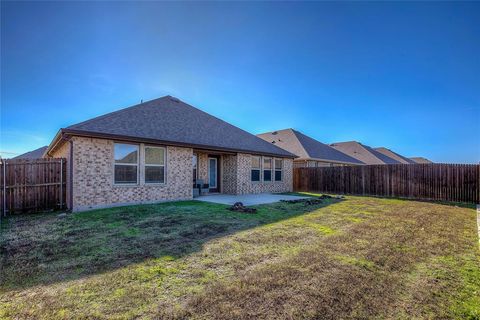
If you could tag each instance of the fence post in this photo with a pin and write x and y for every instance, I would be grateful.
(61, 183)
(4, 188)
(363, 180)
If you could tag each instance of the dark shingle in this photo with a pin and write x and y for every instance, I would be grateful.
(168, 119)
(318, 150)
(34, 154)
(394, 155)
(381, 156)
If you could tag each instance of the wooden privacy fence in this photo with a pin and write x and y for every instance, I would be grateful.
(445, 182)
(32, 185)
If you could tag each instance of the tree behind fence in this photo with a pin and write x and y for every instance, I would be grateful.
(32, 185)
(447, 182)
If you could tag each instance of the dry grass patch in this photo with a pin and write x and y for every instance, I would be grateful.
(358, 258)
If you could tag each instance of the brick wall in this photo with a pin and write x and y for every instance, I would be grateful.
(202, 166)
(93, 177)
(245, 185)
(229, 174)
(93, 168)
(63, 151)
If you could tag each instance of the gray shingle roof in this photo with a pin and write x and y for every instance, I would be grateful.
(34, 154)
(363, 153)
(420, 160)
(169, 120)
(386, 159)
(305, 147)
(394, 155)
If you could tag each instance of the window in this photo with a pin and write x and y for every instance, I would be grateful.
(278, 169)
(154, 165)
(255, 175)
(194, 163)
(267, 169)
(126, 163)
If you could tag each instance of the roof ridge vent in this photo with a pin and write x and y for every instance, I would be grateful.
(174, 99)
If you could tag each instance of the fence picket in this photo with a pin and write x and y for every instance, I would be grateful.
(32, 185)
(447, 182)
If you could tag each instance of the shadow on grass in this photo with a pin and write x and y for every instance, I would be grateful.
(47, 248)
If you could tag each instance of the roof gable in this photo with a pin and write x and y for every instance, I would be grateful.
(168, 119)
(285, 139)
(363, 153)
(394, 155)
(420, 160)
(34, 154)
(306, 147)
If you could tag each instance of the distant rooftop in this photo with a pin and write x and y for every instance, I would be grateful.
(421, 160)
(364, 153)
(34, 154)
(306, 147)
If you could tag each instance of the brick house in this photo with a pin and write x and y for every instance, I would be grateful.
(155, 150)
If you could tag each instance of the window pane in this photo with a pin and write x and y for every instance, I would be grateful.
(154, 174)
(125, 174)
(194, 161)
(125, 153)
(154, 155)
(255, 175)
(278, 175)
(267, 163)
(255, 162)
(267, 175)
(212, 172)
(278, 163)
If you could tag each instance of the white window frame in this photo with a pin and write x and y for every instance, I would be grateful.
(127, 164)
(275, 170)
(271, 169)
(145, 165)
(254, 168)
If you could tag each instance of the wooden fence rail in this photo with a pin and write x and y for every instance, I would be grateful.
(32, 185)
(444, 182)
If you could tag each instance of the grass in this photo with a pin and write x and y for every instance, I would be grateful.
(355, 258)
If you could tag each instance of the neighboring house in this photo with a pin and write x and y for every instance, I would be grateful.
(310, 152)
(420, 160)
(394, 155)
(34, 154)
(363, 153)
(155, 150)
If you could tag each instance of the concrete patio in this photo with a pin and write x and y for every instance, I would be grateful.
(247, 199)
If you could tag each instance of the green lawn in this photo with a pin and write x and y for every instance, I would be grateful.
(356, 258)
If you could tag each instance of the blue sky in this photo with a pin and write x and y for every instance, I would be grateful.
(401, 75)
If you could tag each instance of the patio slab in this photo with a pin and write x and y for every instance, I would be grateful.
(247, 199)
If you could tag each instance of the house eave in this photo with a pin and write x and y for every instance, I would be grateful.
(102, 135)
(328, 160)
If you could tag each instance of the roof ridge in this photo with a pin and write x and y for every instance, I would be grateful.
(299, 142)
(228, 123)
(119, 110)
(350, 158)
(395, 153)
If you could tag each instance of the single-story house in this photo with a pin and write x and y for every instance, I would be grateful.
(394, 155)
(364, 153)
(154, 151)
(310, 152)
(34, 154)
(420, 160)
